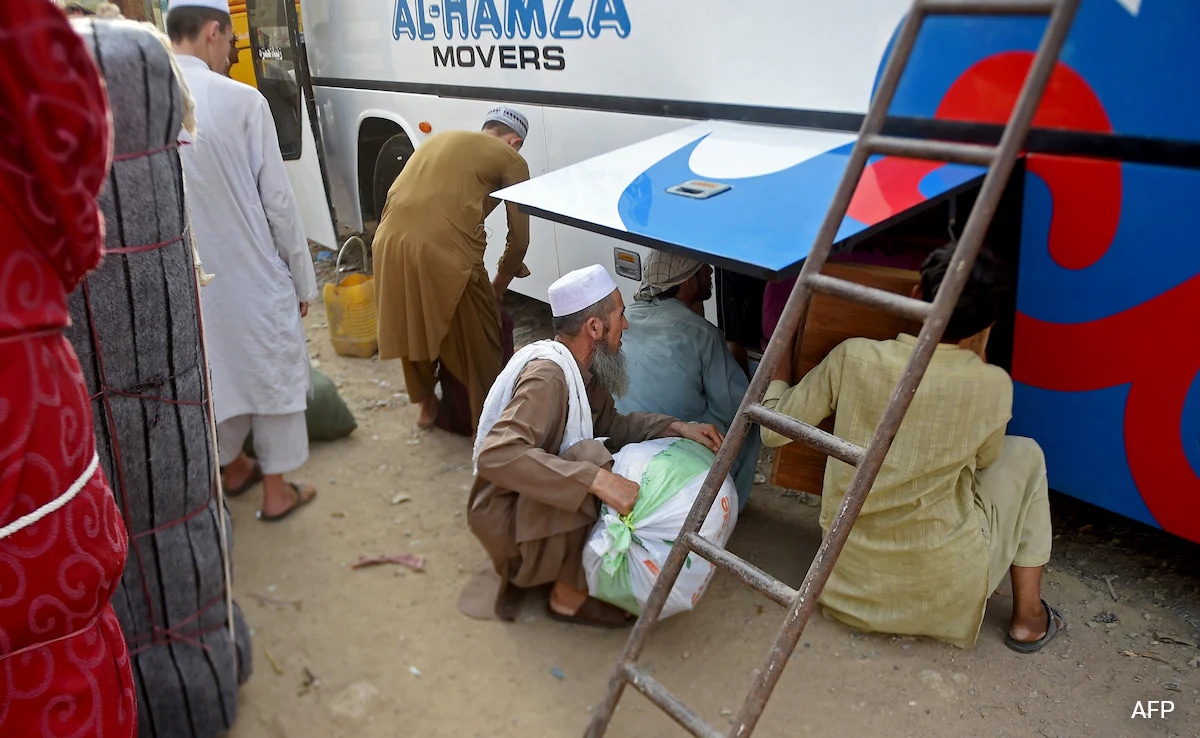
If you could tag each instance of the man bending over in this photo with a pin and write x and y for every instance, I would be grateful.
(542, 455)
(957, 503)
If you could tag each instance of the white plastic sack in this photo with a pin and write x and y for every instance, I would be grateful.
(624, 555)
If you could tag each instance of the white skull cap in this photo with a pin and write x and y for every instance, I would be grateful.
(510, 117)
(221, 5)
(580, 289)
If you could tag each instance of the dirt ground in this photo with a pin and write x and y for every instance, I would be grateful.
(383, 651)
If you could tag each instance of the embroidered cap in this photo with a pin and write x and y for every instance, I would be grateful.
(509, 117)
(580, 289)
(221, 5)
(661, 271)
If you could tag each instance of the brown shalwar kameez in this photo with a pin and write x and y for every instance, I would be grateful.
(531, 508)
(435, 301)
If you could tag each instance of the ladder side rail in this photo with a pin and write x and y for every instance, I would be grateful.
(956, 277)
(790, 324)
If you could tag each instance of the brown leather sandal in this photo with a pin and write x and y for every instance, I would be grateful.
(300, 501)
(595, 613)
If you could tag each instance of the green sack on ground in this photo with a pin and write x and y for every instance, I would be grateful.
(327, 416)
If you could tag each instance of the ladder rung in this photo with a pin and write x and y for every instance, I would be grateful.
(796, 430)
(988, 7)
(918, 148)
(902, 305)
(667, 702)
(748, 573)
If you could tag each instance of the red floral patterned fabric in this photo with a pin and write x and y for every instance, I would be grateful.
(64, 667)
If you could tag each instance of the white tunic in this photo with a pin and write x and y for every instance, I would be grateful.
(250, 237)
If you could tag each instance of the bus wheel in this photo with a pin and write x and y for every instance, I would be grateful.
(392, 157)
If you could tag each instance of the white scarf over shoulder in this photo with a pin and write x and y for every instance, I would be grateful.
(579, 411)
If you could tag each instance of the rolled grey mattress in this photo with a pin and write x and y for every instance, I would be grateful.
(136, 329)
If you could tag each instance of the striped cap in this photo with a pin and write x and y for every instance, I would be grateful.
(509, 117)
(662, 271)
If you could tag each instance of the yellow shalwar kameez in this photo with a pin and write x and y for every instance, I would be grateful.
(956, 502)
(435, 301)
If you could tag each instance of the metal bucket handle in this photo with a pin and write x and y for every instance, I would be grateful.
(365, 255)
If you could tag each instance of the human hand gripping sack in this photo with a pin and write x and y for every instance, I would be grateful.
(706, 434)
(615, 491)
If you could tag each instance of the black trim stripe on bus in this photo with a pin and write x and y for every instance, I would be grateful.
(1139, 149)
(742, 267)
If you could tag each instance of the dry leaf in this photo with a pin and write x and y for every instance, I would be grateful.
(412, 561)
(1173, 639)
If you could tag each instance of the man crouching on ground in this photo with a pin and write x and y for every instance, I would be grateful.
(542, 454)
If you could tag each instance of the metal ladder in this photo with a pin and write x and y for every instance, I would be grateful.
(800, 603)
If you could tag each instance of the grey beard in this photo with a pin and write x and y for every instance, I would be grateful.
(609, 369)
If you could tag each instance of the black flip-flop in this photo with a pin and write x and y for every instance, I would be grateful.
(1053, 618)
(299, 503)
(255, 477)
(595, 613)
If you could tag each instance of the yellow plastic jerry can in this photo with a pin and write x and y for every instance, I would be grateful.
(350, 309)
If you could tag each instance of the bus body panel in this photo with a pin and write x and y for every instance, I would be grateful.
(754, 53)
(1108, 268)
(1106, 361)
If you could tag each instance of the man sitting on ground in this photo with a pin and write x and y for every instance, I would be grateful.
(679, 363)
(543, 459)
(957, 503)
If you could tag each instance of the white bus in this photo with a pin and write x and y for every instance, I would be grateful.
(592, 75)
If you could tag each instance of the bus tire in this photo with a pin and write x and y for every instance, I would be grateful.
(390, 161)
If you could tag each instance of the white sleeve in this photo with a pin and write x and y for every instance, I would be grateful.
(279, 203)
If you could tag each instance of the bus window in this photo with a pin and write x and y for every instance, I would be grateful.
(275, 68)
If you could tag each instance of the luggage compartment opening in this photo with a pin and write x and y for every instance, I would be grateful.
(903, 244)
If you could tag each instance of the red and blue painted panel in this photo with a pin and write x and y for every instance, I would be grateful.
(1107, 348)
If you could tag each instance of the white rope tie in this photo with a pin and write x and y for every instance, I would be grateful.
(52, 506)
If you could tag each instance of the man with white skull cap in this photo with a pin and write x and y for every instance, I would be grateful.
(543, 459)
(250, 235)
(509, 118)
(438, 312)
(679, 363)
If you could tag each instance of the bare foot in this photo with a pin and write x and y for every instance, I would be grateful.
(428, 414)
(1025, 637)
(236, 473)
(1029, 627)
(566, 600)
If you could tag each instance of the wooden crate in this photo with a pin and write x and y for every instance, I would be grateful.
(829, 322)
